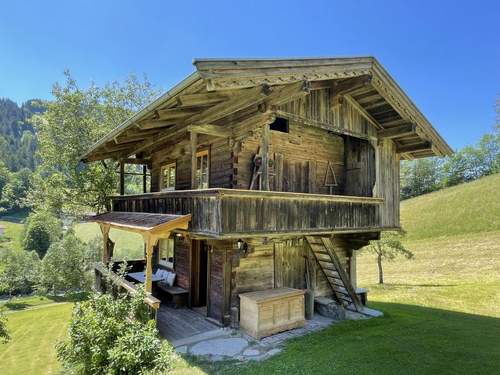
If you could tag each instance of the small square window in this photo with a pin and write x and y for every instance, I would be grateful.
(279, 125)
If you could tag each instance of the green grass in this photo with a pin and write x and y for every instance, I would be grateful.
(34, 333)
(127, 245)
(468, 208)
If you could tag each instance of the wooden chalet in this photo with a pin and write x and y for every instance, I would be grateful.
(266, 174)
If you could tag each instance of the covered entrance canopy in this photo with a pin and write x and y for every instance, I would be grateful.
(151, 226)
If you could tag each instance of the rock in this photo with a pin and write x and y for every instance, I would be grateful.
(272, 352)
(251, 352)
(372, 312)
(329, 308)
(219, 347)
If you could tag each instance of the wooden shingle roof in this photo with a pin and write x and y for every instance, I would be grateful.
(143, 222)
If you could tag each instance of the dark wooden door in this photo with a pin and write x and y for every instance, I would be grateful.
(199, 273)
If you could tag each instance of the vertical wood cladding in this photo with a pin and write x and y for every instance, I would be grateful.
(216, 296)
(182, 249)
(359, 167)
(387, 184)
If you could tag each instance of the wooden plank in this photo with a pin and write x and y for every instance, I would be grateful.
(214, 130)
(398, 131)
(194, 145)
(362, 111)
(421, 146)
(200, 99)
(122, 178)
(264, 151)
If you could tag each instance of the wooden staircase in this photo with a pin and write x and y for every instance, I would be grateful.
(344, 293)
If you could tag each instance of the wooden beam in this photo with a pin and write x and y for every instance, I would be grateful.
(362, 111)
(176, 113)
(105, 237)
(156, 124)
(422, 146)
(287, 93)
(214, 130)
(137, 161)
(144, 179)
(148, 143)
(122, 178)
(349, 85)
(264, 151)
(203, 99)
(243, 99)
(150, 242)
(398, 131)
(194, 145)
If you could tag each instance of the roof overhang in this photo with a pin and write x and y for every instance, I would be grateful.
(215, 79)
(143, 223)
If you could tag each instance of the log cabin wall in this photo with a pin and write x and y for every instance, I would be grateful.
(300, 157)
(182, 265)
(220, 169)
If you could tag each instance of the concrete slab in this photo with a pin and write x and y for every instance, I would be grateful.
(219, 347)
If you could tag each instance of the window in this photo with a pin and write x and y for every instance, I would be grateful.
(166, 250)
(279, 125)
(202, 169)
(168, 177)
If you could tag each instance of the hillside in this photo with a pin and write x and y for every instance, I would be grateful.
(468, 208)
(17, 136)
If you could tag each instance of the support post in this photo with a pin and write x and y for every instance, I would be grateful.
(264, 149)
(122, 177)
(150, 242)
(105, 237)
(352, 269)
(194, 145)
(144, 179)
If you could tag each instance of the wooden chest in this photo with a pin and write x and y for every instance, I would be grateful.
(271, 311)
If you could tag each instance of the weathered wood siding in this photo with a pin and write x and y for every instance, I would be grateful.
(220, 169)
(300, 160)
(323, 106)
(215, 308)
(387, 183)
(182, 255)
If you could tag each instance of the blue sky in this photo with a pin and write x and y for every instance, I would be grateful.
(444, 54)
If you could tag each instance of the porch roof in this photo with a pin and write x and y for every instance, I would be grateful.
(141, 222)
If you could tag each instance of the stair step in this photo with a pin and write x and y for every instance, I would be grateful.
(323, 258)
(336, 281)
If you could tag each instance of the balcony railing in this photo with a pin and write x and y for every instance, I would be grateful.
(233, 213)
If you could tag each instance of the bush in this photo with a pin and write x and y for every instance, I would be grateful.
(65, 266)
(42, 228)
(106, 337)
(4, 334)
(19, 272)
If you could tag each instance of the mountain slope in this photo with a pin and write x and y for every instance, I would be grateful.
(468, 208)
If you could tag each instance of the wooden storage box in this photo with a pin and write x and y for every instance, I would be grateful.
(267, 312)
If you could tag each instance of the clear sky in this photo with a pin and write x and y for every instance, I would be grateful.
(444, 54)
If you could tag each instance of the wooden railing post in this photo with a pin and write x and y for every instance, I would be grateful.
(105, 236)
(150, 242)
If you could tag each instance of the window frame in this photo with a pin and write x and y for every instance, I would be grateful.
(168, 167)
(201, 154)
(167, 264)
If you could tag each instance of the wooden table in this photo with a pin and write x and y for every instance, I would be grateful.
(267, 312)
(141, 277)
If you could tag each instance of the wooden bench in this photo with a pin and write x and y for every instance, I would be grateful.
(179, 295)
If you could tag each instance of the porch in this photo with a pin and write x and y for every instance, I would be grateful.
(232, 213)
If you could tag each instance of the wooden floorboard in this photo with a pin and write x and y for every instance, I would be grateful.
(176, 324)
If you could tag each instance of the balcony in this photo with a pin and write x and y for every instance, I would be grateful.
(229, 213)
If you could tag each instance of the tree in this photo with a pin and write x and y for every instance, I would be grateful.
(65, 267)
(16, 189)
(41, 229)
(420, 177)
(388, 248)
(4, 334)
(19, 272)
(73, 121)
(107, 336)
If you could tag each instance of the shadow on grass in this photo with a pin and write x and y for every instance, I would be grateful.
(17, 304)
(16, 217)
(408, 339)
(414, 285)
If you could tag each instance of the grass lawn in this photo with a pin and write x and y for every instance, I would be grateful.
(34, 333)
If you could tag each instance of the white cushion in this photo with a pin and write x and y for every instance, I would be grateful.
(170, 279)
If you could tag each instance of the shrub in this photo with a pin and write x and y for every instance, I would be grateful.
(106, 337)
(65, 266)
(4, 334)
(42, 228)
(19, 272)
